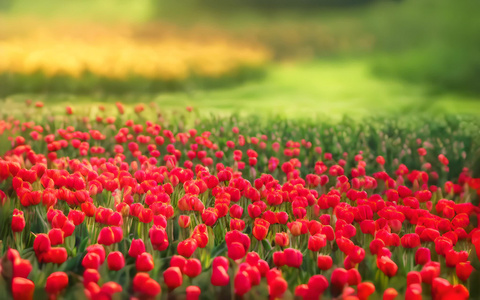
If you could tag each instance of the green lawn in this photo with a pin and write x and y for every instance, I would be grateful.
(302, 90)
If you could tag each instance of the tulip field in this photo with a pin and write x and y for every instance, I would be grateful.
(141, 203)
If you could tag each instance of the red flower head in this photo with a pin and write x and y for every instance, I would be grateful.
(281, 239)
(390, 294)
(144, 262)
(184, 221)
(364, 290)
(293, 257)
(279, 258)
(137, 247)
(237, 244)
(173, 277)
(115, 261)
(187, 247)
(41, 244)
(463, 270)
(22, 289)
(143, 284)
(387, 266)
(422, 256)
(260, 229)
(410, 240)
(242, 283)
(192, 267)
(56, 282)
(18, 221)
(193, 292)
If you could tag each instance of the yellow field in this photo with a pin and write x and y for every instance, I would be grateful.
(122, 52)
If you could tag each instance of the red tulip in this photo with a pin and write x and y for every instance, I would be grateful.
(277, 287)
(184, 221)
(387, 266)
(91, 261)
(56, 236)
(317, 242)
(242, 283)
(281, 239)
(260, 229)
(18, 221)
(293, 257)
(443, 245)
(55, 255)
(21, 267)
(178, 261)
(414, 277)
(324, 262)
(144, 262)
(98, 249)
(390, 294)
(90, 275)
(236, 250)
(354, 277)
(143, 284)
(137, 247)
(22, 289)
(339, 280)
(279, 258)
(220, 276)
(115, 261)
(430, 271)
(463, 270)
(193, 292)
(422, 256)
(414, 292)
(106, 236)
(173, 277)
(192, 267)
(364, 290)
(410, 240)
(318, 284)
(41, 243)
(187, 247)
(56, 282)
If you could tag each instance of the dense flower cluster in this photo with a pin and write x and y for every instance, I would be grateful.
(140, 209)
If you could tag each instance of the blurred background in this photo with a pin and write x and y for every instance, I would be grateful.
(296, 59)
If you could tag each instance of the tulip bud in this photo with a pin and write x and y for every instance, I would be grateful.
(184, 221)
(144, 262)
(242, 283)
(281, 239)
(193, 292)
(90, 275)
(220, 276)
(142, 283)
(463, 270)
(187, 247)
(91, 261)
(137, 247)
(422, 256)
(173, 277)
(18, 221)
(192, 268)
(22, 288)
(364, 290)
(56, 236)
(115, 261)
(324, 262)
(56, 282)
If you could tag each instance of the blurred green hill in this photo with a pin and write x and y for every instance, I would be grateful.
(430, 42)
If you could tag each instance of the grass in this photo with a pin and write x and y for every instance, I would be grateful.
(325, 89)
(98, 10)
